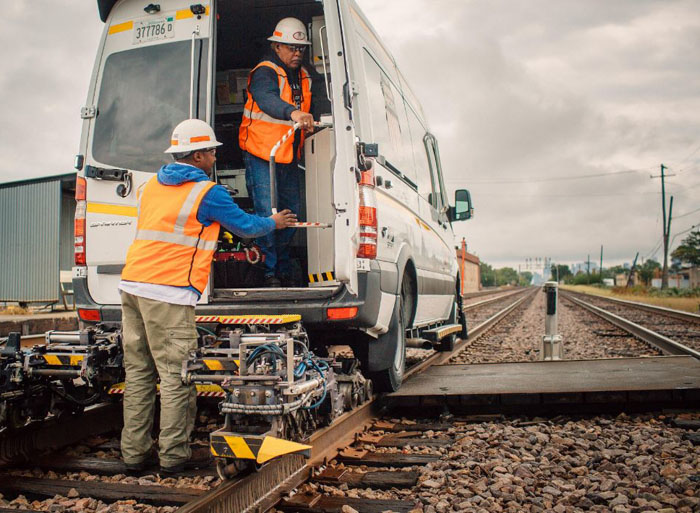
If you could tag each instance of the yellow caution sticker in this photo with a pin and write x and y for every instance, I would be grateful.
(121, 27)
(260, 449)
(63, 360)
(202, 390)
(115, 210)
(321, 277)
(248, 319)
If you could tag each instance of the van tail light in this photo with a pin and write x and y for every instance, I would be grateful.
(89, 314)
(368, 216)
(341, 314)
(79, 221)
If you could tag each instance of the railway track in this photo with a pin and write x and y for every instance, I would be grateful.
(257, 491)
(394, 454)
(654, 325)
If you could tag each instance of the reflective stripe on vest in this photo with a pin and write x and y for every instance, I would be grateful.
(171, 246)
(259, 131)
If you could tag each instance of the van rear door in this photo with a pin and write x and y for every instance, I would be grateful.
(141, 91)
(345, 192)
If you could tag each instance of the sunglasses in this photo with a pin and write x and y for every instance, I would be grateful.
(296, 48)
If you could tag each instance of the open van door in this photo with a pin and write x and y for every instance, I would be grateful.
(345, 192)
(153, 70)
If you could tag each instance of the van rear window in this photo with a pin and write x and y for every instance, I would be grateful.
(144, 93)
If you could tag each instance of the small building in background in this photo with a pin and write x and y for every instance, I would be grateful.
(621, 279)
(36, 237)
(471, 273)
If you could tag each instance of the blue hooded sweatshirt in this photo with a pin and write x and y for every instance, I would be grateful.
(217, 205)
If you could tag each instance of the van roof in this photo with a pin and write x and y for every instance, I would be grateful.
(105, 7)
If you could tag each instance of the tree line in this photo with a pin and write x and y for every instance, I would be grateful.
(687, 253)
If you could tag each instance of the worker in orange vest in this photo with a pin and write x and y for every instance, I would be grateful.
(279, 94)
(180, 211)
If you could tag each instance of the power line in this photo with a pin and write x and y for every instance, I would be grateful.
(560, 178)
(690, 155)
(687, 213)
(577, 195)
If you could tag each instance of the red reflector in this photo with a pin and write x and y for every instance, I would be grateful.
(339, 314)
(89, 314)
(368, 216)
(367, 178)
(80, 188)
(367, 251)
(79, 227)
(80, 259)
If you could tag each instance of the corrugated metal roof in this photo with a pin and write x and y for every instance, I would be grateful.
(29, 241)
(63, 177)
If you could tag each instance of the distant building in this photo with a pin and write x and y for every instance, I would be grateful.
(621, 279)
(36, 237)
(582, 267)
(471, 274)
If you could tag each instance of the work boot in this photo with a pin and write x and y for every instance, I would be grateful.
(272, 282)
(201, 458)
(151, 460)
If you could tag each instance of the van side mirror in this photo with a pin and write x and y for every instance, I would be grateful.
(463, 208)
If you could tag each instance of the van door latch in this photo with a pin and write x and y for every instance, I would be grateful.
(88, 112)
(112, 175)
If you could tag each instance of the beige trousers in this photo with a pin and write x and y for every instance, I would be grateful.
(158, 336)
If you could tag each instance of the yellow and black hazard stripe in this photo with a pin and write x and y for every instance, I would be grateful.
(248, 319)
(221, 364)
(322, 277)
(63, 360)
(202, 390)
(258, 448)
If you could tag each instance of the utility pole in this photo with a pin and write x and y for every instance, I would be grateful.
(666, 228)
(588, 270)
(631, 274)
(601, 263)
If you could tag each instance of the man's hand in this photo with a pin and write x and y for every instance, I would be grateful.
(284, 219)
(305, 119)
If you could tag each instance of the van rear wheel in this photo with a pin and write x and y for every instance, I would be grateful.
(390, 379)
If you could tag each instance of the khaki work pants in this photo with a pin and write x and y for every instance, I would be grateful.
(158, 336)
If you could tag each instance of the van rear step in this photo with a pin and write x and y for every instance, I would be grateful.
(439, 336)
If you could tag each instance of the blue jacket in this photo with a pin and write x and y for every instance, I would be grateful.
(217, 205)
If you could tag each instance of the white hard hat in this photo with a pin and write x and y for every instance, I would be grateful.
(191, 135)
(290, 31)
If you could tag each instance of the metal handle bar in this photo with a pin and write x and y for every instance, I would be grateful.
(273, 172)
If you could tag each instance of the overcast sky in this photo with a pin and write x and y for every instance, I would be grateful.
(528, 98)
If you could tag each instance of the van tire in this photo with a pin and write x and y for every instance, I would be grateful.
(390, 378)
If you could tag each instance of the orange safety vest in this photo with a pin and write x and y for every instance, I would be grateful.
(171, 246)
(260, 132)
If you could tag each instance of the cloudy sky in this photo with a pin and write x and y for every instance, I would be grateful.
(553, 113)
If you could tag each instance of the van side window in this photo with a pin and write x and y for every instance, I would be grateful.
(423, 177)
(388, 119)
(439, 197)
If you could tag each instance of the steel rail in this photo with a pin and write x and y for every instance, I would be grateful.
(57, 432)
(484, 302)
(485, 292)
(665, 344)
(661, 310)
(260, 491)
(473, 334)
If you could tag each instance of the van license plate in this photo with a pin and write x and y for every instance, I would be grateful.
(152, 30)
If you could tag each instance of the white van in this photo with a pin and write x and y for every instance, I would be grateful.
(371, 281)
